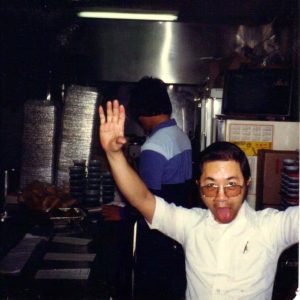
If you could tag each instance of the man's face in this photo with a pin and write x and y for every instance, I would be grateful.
(220, 174)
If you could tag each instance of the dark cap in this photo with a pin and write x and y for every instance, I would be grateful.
(149, 98)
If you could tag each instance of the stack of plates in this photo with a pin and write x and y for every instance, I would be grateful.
(77, 180)
(79, 124)
(38, 142)
(290, 183)
(92, 193)
(108, 187)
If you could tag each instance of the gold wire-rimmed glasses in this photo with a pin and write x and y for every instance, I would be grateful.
(230, 190)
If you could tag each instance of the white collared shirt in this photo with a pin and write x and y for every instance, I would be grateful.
(229, 261)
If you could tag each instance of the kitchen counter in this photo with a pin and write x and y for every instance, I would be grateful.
(100, 251)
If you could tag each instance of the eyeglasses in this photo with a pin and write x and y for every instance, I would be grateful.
(212, 190)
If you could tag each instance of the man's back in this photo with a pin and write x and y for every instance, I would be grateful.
(166, 162)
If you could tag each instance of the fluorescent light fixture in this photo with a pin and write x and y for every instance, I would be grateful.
(152, 16)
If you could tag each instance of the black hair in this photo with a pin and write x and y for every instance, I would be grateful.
(225, 151)
(149, 98)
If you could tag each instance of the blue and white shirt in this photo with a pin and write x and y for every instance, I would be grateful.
(166, 161)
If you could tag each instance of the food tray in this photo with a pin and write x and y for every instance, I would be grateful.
(65, 216)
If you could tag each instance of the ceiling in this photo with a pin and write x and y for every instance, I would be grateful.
(251, 12)
(34, 33)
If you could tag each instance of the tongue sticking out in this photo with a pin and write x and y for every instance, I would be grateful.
(223, 214)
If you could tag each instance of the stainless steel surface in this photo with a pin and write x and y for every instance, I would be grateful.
(176, 52)
(127, 50)
(184, 107)
(79, 123)
(38, 143)
(220, 129)
(210, 108)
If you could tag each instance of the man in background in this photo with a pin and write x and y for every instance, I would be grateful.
(165, 165)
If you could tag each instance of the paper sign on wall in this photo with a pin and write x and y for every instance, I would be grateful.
(250, 138)
(251, 147)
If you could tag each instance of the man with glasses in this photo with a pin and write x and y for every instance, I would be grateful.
(231, 251)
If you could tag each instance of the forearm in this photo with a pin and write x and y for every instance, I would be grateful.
(131, 186)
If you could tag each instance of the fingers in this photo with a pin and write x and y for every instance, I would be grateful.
(118, 114)
(109, 113)
(115, 113)
(102, 115)
(121, 119)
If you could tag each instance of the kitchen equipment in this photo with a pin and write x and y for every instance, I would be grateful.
(79, 124)
(38, 142)
(92, 193)
(62, 217)
(107, 188)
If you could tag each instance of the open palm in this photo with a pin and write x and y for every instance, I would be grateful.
(112, 126)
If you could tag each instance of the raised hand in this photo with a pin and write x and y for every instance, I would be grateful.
(112, 139)
(111, 129)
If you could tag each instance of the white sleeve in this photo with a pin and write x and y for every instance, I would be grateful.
(284, 226)
(174, 221)
(290, 226)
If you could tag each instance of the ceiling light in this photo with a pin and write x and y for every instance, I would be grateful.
(129, 15)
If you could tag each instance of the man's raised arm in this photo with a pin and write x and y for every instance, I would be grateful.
(112, 140)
